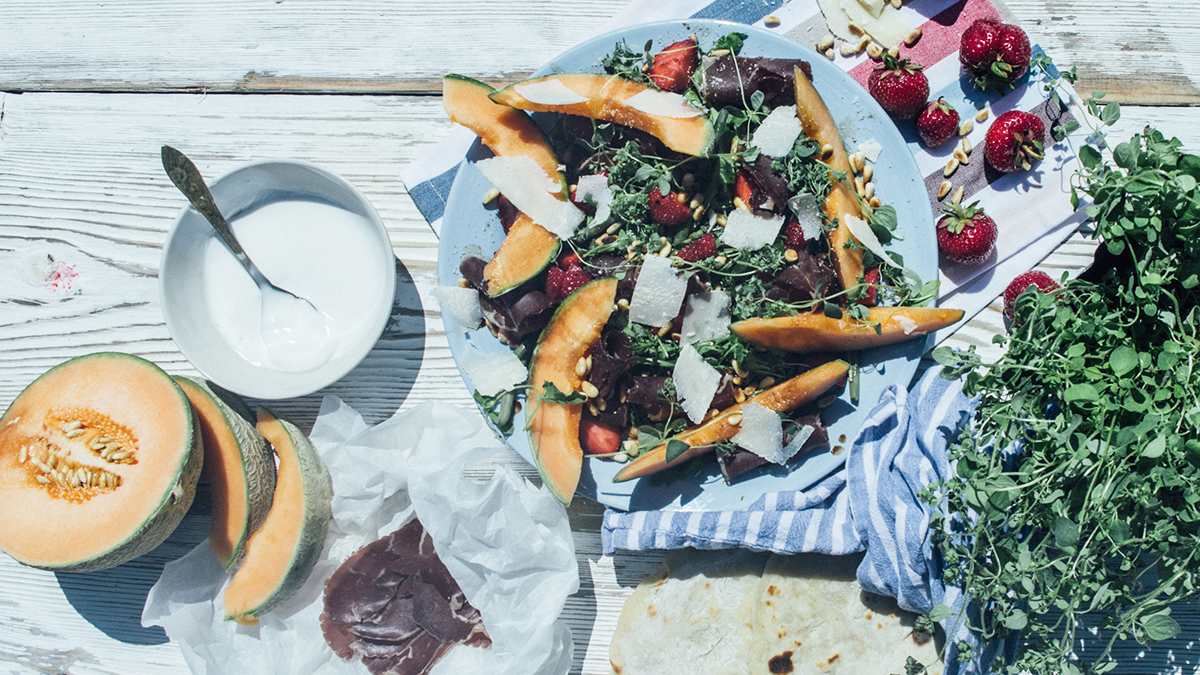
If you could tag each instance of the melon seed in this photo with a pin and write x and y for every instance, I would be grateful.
(71, 426)
(42, 479)
(118, 456)
(24, 455)
(74, 433)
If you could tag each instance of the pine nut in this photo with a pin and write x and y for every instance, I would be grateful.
(664, 331)
(825, 43)
(612, 229)
(735, 418)
(857, 162)
(790, 255)
(911, 38)
(463, 283)
(856, 29)
(944, 189)
(697, 213)
(490, 195)
(951, 167)
(826, 151)
(623, 304)
(874, 203)
(721, 219)
(770, 21)
(869, 190)
(897, 3)
(829, 53)
(588, 389)
(741, 205)
(859, 187)
(867, 172)
(581, 366)
(961, 156)
(875, 51)
(848, 49)
(958, 195)
(981, 115)
(966, 145)
(965, 128)
(719, 52)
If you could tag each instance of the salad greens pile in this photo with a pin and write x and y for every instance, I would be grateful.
(1078, 486)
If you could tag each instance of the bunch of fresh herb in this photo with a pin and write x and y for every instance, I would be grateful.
(1095, 506)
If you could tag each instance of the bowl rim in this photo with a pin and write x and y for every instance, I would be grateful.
(280, 385)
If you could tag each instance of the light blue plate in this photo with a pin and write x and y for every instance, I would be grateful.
(470, 229)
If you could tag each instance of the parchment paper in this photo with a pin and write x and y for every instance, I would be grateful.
(507, 544)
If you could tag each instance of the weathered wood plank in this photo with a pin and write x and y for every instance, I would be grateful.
(1140, 51)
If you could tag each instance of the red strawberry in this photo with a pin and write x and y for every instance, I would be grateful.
(564, 280)
(871, 279)
(937, 123)
(704, 247)
(1014, 141)
(673, 67)
(1017, 286)
(508, 212)
(669, 210)
(899, 86)
(569, 260)
(743, 188)
(966, 235)
(554, 282)
(995, 54)
(795, 236)
(598, 438)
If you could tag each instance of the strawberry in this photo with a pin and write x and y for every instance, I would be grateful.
(569, 260)
(1014, 141)
(671, 209)
(566, 277)
(795, 239)
(966, 235)
(704, 247)
(871, 279)
(673, 67)
(554, 282)
(598, 438)
(995, 54)
(937, 123)
(743, 189)
(1018, 285)
(899, 86)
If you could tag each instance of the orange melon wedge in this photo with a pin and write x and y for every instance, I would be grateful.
(819, 333)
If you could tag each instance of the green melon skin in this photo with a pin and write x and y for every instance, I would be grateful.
(257, 464)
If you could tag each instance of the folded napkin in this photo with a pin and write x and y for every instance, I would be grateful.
(871, 505)
(1031, 208)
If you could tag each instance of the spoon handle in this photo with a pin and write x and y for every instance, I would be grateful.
(184, 174)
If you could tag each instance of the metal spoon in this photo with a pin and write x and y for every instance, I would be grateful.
(295, 332)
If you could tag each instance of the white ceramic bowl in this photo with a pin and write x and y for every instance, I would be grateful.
(197, 305)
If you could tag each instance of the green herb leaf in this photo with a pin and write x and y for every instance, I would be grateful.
(551, 394)
(1081, 392)
(1160, 627)
(1122, 360)
(1066, 532)
(675, 448)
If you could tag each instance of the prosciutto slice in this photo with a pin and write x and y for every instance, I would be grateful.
(394, 605)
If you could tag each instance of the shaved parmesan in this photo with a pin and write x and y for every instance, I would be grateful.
(549, 92)
(493, 372)
(870, 149)
(748, 232)
(658, 293)
(696, 383)
(906, 323)
(866, 236)
(808, 214)
(706, 317)
(761, 432)
(886, 25)
(778, 132)
(533, 192)
(594, 190)
(460, 306)
(662, 104)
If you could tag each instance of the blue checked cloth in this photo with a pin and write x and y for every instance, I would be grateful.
(870, 505)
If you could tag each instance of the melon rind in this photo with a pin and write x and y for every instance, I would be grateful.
(174, 503)
(255, 462)
(317, 512)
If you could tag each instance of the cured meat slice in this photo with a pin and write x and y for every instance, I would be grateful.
(395, 605)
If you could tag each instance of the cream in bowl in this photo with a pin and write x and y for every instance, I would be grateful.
(309, 232)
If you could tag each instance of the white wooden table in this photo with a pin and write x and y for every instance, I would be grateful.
(89, 92)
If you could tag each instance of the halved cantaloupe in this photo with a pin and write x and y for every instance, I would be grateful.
(604, 98)
(554, 427)
(819, 333)
(818, 125)
(283, 552)
(784, 397)
(99, 459)
(528, 247)
(239, 468)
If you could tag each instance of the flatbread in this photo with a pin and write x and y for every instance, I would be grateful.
(694, 615)
(737, 612)
(811, 616)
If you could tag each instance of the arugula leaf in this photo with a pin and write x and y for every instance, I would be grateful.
(675, 448)
(552, 394)
(731, 41)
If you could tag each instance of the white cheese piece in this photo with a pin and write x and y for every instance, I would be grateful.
(706, 317)
(888, 27)
(746, 231)
(696, 383)
(662, 104)
(866, 236)
(808, 214)
(793, 446)
(595, 190)
(873, 7)
(493, 372)
(870, 149)
(658, 293)
(549, 92)
(906, 323)
(778, 132)
(761, 432)
(460, 306)
(533, 192)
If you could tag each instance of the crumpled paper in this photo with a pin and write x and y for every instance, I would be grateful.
(507, 543)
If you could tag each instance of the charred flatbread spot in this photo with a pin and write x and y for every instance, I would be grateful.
(772, 590)
(833, 659)
(650, 611)
(781, 664)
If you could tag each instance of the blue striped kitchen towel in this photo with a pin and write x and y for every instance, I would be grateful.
(870, 505)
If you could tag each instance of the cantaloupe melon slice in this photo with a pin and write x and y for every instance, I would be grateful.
(283, 552)
(819, 333)
(239, 467)
(606, 97)
(554, 427)
(99, 459)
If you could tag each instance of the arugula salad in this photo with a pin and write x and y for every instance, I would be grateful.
(744, 227)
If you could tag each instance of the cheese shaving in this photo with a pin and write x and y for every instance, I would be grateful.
(866, 236)
(662, 104)
(549, 92)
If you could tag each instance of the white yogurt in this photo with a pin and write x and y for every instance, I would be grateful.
(320, 252)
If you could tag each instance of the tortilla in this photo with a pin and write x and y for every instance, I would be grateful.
(736, 612)
(694, 615)
(811, 616)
